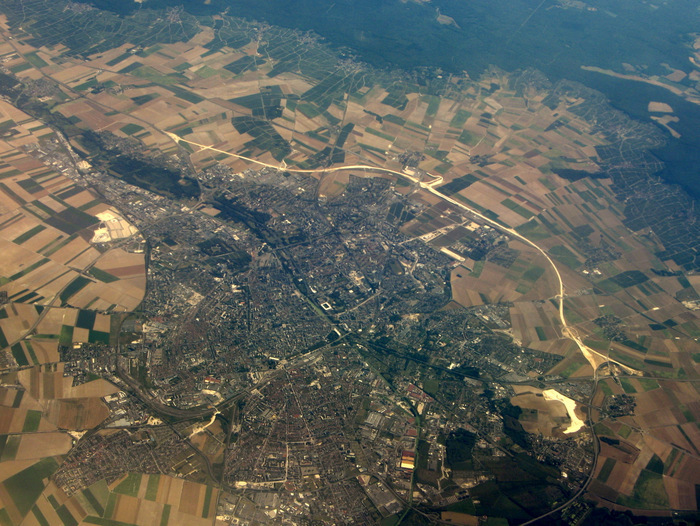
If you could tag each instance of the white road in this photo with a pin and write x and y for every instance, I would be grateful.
(595, 358)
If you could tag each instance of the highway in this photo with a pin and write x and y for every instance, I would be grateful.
(594, 358)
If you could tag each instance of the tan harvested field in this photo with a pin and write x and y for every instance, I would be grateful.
(688, 470)
(122, 296)
(53, 320)
(84, 258)
(42, 274)
(626, 485)
(37, 257)
(11, 419)
(40, 445)
(19, 319)
(102, 323)
(42, 239)
(17, 257)
(9, 505)
(681, 493)
(48, 382)
(492, 283)
(526, 317)
(19, 226)
(51, 277)
(44, 505)
(81, 335)
(9, 468)
(95, 389)
(463, 288)
(127, 509)
(46, 350)
(67, 413)
(55, 282)
(127, 271)
(81, 198)
(72, 250)
(7, 396)
(172, 489)
(190, 498)
(148, 513)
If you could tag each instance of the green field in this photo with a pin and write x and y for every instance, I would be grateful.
(131, 128)
(35, 60)
(649, 492)
(564, 255)
(26, 486)
(98, 337)
(533, 273)
(100, 521)
(648, 383)
(9, 444)
(515, 207)
(28, 234)
(433, 105)
(606, 469)
(460, 118)
(152, 488)
(627, 386)
(165, 517)
(74, 287)
(431, 386)
(468, 138)
(130, 485)
(66, 517)
(66, 336)
(380, 134)
(91, 83)
(571, 369)
(31, 421)
(541, 334)
(18, 354)
(40, 517)
(92, 502)
(207, 502)
(625, 431)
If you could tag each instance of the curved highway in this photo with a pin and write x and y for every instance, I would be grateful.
(594, 358)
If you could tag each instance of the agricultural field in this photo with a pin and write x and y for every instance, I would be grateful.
(132, 499)
(481, 138)
(38, 410)
(50, 265)
(47, 223)
(648, 453)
